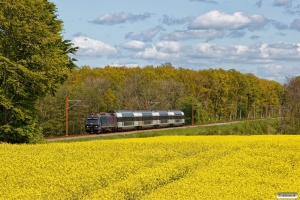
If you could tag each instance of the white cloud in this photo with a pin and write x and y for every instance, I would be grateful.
(277, 72)
(163, 51)
(118, 18)
(258, 4)
(122, 64)
(258, 53)
(219, 20)
(168, 47)
(146, 35)
(213, 51)
(282, 51)
(134, 45)
(279, 25)
(152, 53)
(173, 21)
(206, 1)
(282, 3)
(295, 24)
(284, 46)
(236, 34)
(193, 34)
(92, 48)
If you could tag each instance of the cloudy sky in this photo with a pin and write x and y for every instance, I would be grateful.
(251, 36)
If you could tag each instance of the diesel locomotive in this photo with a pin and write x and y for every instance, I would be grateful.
(118, 120)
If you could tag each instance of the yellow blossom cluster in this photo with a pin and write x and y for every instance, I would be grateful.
(167, 167)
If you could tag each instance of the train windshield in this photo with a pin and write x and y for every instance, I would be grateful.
(91, 120)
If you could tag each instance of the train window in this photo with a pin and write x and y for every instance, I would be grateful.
(164, 117)
(125, 119)
(137, 119)
(120, 119)
(127, 114)
(91, 119)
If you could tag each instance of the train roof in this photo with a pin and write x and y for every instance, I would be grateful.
(135, 113)
(131, 111)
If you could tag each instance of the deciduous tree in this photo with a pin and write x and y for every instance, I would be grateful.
(34, 61)
(290, 123)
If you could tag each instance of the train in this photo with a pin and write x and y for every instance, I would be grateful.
(122, 120)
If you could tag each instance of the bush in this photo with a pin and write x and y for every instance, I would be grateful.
(256, 127)
(29, 132)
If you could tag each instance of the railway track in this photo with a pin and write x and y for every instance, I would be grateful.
(71, 137)
(79, 136)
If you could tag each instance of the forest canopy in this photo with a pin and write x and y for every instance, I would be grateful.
(216, 94)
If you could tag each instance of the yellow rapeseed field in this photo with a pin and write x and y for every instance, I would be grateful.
(168, 167)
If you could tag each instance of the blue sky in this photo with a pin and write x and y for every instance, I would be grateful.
(251, 36)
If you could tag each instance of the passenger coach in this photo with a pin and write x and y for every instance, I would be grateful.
(117, 120)
(127, 119)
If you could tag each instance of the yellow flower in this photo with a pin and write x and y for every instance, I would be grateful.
(168, 167)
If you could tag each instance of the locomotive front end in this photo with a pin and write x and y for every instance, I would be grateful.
(101, 122)
(93, 124)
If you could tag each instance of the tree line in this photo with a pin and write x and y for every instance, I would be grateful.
(209, 95)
